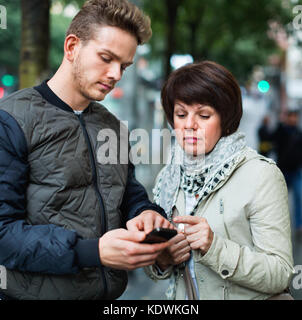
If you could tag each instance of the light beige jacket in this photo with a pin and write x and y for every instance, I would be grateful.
(251, 254)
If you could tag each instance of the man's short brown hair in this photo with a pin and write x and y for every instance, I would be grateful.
(115, 13)
(206, 83)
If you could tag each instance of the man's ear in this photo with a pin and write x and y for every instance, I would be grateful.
(71, 45)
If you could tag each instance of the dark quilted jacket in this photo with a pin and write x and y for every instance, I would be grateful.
(57, 200)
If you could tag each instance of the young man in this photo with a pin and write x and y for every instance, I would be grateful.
(61, 211)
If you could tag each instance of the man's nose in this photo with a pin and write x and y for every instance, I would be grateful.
(115, 72)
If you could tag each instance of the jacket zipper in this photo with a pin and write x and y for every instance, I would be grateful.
(100, 198)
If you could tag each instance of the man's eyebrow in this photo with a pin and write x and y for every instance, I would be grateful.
(115, 56)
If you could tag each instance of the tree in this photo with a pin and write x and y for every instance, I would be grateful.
(9, 39)
(43, 36)
(231, 32)
(34, 42)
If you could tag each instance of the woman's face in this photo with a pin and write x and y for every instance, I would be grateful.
(197, 127)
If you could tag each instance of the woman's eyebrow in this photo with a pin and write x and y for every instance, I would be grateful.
(199, 108)
(177, 104)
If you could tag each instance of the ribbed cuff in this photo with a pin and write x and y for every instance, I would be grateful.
(87, 253)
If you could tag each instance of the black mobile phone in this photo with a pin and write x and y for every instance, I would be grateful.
(160, 235)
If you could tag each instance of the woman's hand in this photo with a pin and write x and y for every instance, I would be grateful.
(177, 252)
(198, 232)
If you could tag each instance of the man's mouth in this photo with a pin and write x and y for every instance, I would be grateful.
(105, 86)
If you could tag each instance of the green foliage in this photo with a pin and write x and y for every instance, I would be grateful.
(58, 27)
(9, 38)
(231, 32)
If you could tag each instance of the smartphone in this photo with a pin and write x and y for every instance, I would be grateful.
(160, 235)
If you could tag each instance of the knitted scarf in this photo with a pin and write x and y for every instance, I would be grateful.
(199, 175)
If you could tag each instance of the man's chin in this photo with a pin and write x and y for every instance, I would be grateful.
(97, 96)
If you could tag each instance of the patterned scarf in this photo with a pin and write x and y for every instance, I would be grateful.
(199, 175)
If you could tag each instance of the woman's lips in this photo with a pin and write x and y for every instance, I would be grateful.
(190, 140)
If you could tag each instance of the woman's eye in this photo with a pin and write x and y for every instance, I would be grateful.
(180, 115)
(204, 116)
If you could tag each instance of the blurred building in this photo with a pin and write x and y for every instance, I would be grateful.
(294, 71)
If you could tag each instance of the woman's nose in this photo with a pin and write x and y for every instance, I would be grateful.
(191, 122)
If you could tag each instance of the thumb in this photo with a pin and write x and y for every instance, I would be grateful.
(135, 236)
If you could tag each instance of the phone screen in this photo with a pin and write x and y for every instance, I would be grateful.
(160, 235)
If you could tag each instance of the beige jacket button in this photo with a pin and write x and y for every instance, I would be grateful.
(224, 272)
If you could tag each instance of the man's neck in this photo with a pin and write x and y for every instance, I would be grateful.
(63, 88)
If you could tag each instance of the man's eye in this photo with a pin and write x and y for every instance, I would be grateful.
(181, 115)
(106, 60)
(204, 116)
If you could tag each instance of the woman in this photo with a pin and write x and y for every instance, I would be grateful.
(230, 202)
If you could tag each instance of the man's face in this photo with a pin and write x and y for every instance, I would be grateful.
(99, 63)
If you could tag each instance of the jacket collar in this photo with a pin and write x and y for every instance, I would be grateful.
(52, 98)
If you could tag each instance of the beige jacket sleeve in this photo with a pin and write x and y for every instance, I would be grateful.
(267, 267)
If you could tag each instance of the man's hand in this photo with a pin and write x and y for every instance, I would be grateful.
(147, 221)
(177, 252)
(198, 232)
(121, 249)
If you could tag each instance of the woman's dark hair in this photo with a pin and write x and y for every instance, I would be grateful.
(206, 83)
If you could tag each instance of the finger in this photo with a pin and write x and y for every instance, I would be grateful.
(200, 227)
(140, 261)
(148, 223)
(145, 248)
(181, 252)
(135, 236)
(195, 245)
(158, 247)
(195, 237)
(161, 222)
(142, 264)
(179, 246)
(135, 225)
(178, 238)
(183, 258)
(187, 219)
(166, 224)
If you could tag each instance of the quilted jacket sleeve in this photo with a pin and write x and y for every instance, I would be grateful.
(135, 199)
(39, 248)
